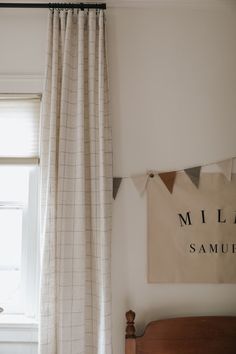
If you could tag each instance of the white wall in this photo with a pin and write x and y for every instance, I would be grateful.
(173, 104)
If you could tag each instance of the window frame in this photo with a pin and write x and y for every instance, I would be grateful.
(30, 245)
(20, 84)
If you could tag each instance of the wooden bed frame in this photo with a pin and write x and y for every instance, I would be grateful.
(189, 335)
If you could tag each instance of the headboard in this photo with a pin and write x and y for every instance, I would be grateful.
(189, 335)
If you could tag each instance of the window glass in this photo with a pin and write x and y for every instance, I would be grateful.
(14, 183)
(10, 258)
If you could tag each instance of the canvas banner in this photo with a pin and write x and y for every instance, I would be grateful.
(192, 232)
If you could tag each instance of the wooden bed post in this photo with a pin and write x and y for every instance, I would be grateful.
(130, 337)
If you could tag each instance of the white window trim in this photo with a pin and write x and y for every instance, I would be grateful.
(16, 330)
(19, 160)
(18, 333)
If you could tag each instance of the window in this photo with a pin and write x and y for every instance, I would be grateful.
(19, 127)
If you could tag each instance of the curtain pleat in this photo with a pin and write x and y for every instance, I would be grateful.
(76, 188)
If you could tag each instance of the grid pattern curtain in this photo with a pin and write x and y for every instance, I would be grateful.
(76, 191)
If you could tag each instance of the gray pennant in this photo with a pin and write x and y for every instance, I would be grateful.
(116, 186)
(194, 174)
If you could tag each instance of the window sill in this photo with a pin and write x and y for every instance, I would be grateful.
(18, 329)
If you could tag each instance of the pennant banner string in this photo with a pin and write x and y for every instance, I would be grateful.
(154, 172)
(168, 177)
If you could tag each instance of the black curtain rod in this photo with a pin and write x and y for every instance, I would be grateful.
(81, 6)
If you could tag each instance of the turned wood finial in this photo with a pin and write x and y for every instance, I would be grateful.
(130, 328)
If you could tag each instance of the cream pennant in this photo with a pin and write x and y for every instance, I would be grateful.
(226, 168)
(194, 174)
(116, 186)
(140, 182)
(168, 178)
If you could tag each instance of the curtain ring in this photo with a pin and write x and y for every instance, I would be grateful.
(81, 6)
(70, 7)
(51, 8)
(55, 6)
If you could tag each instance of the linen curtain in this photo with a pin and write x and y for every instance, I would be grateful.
(76, 190)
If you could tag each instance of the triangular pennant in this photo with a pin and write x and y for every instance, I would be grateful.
(194, 174)
(226, 168)
(116, 185)
(140, 182)
(168, 178)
